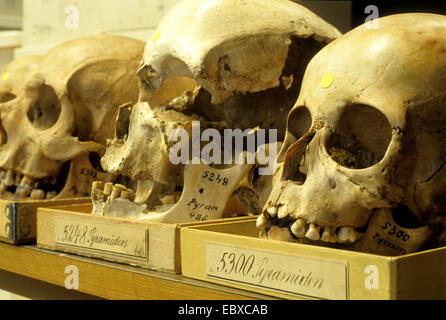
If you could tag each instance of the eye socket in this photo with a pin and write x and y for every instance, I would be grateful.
(361, 138)
(45, 111)
(172, 88)
(6, 97)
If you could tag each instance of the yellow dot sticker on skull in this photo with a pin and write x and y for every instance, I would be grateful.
(327, 80)
(156, 37)
(6, 76)
(34, 71)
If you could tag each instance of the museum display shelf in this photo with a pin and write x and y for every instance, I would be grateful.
(112, 280)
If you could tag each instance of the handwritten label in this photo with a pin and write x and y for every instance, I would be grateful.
(215, 177)
(102, 237)
(200, 211)
(275, 271)
(393, 231)
(88, 173)
(384, 236)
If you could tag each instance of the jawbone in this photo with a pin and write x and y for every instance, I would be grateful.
(206, 194)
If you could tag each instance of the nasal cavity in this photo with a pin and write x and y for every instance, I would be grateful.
(299, 125)
(3, 137)
(299, 122)
(123, 122)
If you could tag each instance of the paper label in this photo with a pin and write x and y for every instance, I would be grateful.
(102, 237)
(304, 276)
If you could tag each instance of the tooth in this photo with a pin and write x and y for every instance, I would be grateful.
(281, 234)
(313, 232)
(18, 179)
(51, 194)
(170, 199)
(348, 235)
(298, 228)
(355, 236)
(272, 211)
(261, 221)
(23, 191)
(329, 235)
(116, 191)
(282, 212)
(97, 185)
(37, 194)
(344, 234)
(96, 191)
(9, 179)
(26, 182)
(108, 188)
(128, 195)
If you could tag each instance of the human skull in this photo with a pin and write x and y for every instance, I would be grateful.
(55, 125)
(365, 148)
(12, 78)
(217, 62)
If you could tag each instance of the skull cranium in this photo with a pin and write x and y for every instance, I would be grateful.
(365, 146)
(56, 125)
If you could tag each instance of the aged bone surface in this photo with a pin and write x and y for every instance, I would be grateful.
(58, 112)
(248, 69)
(363, 163)
(204, 197)
(218, 63)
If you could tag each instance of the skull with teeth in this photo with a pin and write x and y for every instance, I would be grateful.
(363, 162)
(58, 114)
(216, 62)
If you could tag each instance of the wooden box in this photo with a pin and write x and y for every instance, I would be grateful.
(18, 219)
(231, 254)
(144, 244)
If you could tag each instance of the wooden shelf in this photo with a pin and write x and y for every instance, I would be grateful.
(111, 280)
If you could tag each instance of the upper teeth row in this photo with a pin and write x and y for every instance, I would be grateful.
(300, 228)
(26, 185)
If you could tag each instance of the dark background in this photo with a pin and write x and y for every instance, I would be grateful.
(393, 7)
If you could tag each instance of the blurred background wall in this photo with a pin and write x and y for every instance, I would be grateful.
(11, 22)
(46, 23)
(42, 24)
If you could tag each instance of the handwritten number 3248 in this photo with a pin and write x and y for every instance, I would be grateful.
(212, 177)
